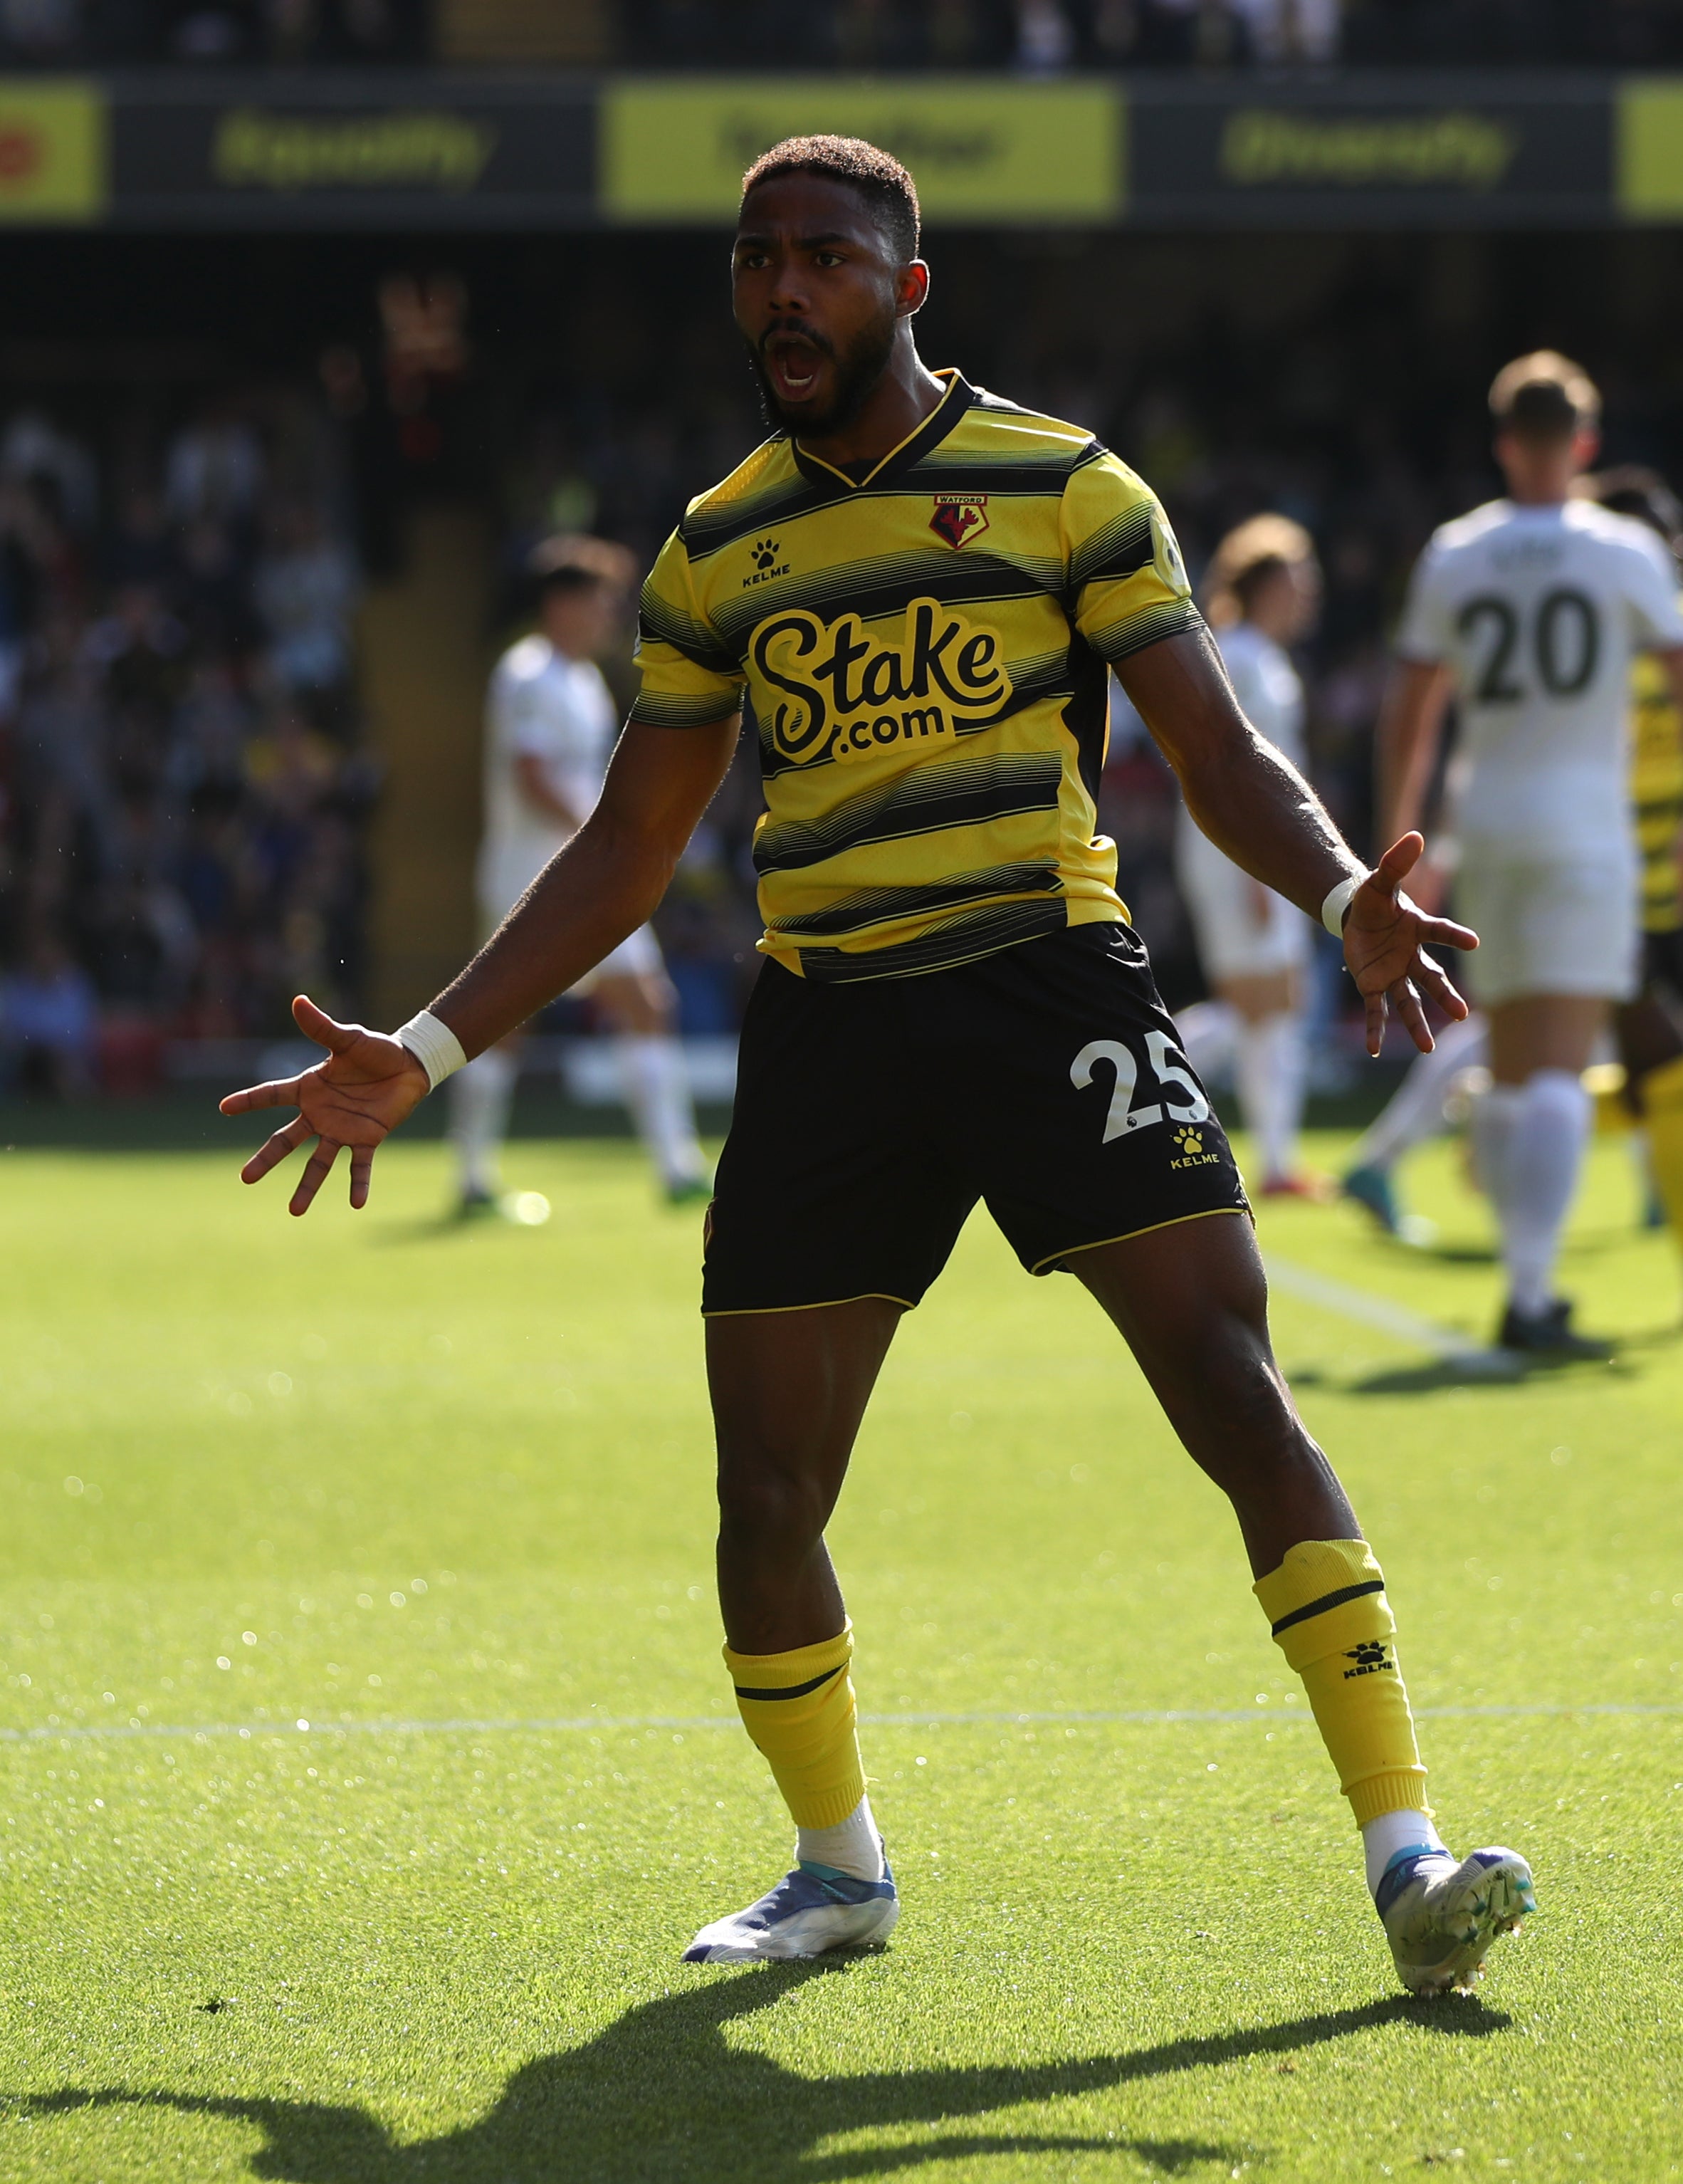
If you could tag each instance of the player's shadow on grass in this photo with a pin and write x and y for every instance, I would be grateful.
(1476, 1371)
(663, 2095)
(1427, 1379)
(1457, 1253)
(433, 1228)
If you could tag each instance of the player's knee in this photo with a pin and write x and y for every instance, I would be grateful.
(768, 1504)
(1240, 1392)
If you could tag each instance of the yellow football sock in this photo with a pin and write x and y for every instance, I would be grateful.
(1662, 1092)
(1333, 1622)
(1606, 1082)
(798, 1708)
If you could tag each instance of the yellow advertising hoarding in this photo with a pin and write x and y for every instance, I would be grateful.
(53, 151)
(674, 150)
(1648, 149)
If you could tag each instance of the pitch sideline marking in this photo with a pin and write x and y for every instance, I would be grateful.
(200, 1732)
(1390, 1318)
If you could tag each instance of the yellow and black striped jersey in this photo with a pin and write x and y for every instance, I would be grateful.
(924, 652)
(1656, 791)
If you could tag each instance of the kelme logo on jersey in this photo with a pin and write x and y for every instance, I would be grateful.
(959, 517)
(764, 553)
(844, 692)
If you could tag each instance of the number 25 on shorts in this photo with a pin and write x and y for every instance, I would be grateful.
(1163, 1061)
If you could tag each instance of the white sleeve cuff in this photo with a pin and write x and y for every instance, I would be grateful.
(1334, 910)
(434, 1046)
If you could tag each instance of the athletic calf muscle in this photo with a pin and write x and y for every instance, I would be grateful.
(1192, 1304)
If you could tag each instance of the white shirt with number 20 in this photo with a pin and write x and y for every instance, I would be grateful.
(1536, 612)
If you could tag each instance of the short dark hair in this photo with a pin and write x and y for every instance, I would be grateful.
(1544, 397)
(571, 562)
(878, 176)
(1252, 553)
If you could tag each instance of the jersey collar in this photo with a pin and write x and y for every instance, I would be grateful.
(934, 429)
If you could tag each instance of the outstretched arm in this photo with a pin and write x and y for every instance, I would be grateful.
(1254, 803)
(606, 882)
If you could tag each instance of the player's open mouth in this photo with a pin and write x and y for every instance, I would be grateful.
(794, 364)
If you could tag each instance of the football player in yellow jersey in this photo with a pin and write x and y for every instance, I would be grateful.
(918, 590)
(1657, 800)
(1649, 1028)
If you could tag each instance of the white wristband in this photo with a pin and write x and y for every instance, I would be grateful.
(1334, 910)
(434, 1046)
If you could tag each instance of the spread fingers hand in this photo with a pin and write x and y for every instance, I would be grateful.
(274, 1150)
(1406, 999)
(317, 1169)
(279, 1092)
(1438, 988)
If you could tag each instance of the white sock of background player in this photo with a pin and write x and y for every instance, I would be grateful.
(656, 1088)
(1273, 1063)
(1414, 1111)
(1546, 1137)
(481, 1097)
(1490, 1128)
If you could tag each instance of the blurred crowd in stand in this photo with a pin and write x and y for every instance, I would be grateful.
(285, 33)
(181, 791)
(1047, 37)
(1037, 36)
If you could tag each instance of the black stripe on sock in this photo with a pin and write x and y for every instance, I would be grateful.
(792, 1690)
(1328, 1600)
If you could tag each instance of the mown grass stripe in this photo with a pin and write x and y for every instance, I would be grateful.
(196, 1731)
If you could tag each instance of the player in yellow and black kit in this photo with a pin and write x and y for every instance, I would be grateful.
(1657, 807)
(1649, 1028)
(925, 648)
(918, 591)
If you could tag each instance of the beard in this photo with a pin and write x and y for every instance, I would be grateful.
(857, 369)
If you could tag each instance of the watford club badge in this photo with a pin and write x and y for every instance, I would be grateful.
(959, 517)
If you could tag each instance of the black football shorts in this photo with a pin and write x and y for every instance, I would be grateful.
(1663, 964)
(871, 1116)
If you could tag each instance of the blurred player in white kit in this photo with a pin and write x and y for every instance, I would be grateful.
(1264, 590)
(550, 728)
(1528, 611)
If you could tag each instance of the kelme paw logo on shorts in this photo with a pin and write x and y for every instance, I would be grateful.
(1189, 1143)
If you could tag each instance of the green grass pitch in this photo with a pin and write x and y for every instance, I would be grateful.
(444, 1496)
